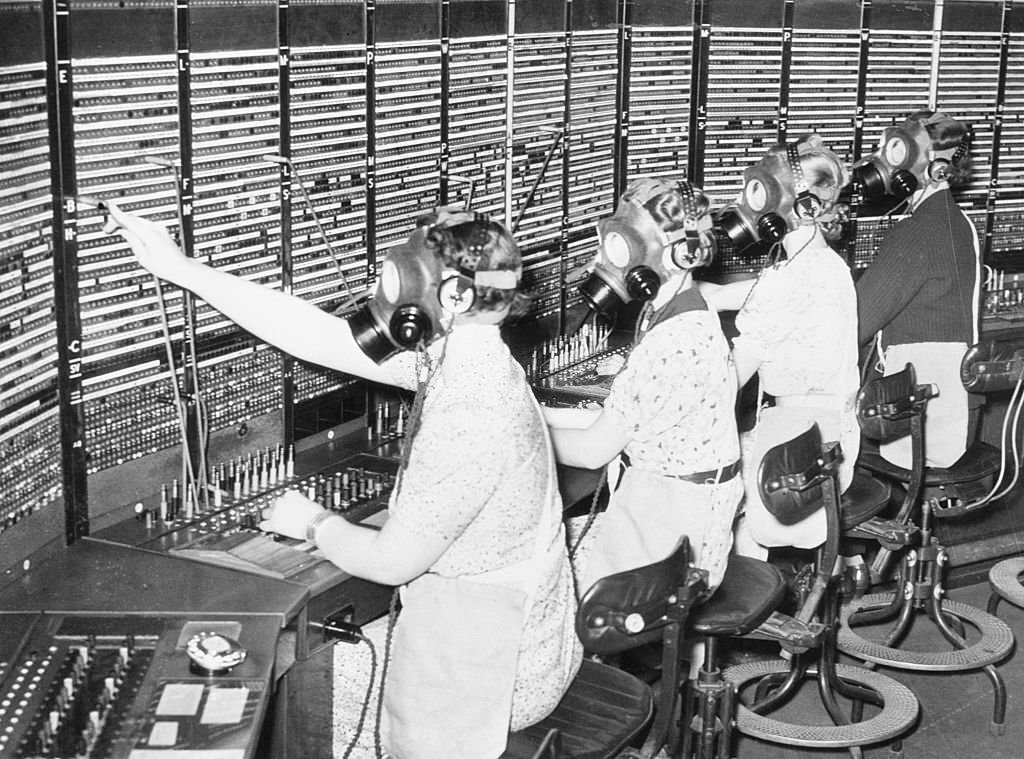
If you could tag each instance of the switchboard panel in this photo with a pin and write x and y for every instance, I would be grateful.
(295, 143)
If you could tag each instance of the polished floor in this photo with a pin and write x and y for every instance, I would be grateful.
(955, 708)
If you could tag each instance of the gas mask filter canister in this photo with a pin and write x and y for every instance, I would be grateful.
(636, 255)
(893, 169)
(417, 289)
(775, 199)
(907, 156)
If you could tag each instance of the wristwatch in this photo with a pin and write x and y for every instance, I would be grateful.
(314, 523)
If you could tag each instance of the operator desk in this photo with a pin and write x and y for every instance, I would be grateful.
(95, 656)
(228, 536)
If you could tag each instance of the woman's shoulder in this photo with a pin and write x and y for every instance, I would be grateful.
(690, 333)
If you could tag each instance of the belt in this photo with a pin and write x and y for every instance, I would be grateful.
(828, 401)
(710, 477)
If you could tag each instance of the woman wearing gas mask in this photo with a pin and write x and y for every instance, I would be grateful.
(797, 325)
(919, 299)
(485, 639)
(667, 427)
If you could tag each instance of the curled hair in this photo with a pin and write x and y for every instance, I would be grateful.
(946, 133)
(825, 173)
(826, 176)
(664, 200)
(469, 242)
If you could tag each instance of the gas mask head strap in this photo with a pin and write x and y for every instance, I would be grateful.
(690, 235)
(468, 261)
(806, 205)
(689, 204)
(938, 168)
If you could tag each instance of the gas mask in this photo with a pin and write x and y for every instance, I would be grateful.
(775, 199)
(417, 292)
(635, 255)
(904, 159)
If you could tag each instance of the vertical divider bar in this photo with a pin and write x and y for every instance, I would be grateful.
(510, 79)
(444, 152)
(284, 63)
(786, 59)
(624, 17)
(185, 176)
(563, 231)
(64, 187)
(857, 145)
(698, 92)
(369, 36)
(862, 79)
(997, 129)
(933, 75)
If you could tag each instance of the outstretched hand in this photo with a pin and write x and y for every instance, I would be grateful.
(610, 364)
(151, 243)
(289, 515)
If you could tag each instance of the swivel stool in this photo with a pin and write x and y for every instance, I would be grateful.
(802, 471)
(888, 408)
(606, 709)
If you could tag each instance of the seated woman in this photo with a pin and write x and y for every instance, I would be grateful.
(920, 298)
(668, 421)
(485, 639)
(797, 325)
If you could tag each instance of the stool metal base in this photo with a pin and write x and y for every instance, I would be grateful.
(1004, 577)
(995, 642)
(896, 717)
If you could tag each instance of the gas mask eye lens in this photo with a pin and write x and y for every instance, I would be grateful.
(616, 249)
(895, 151)
(756, 195)
(390, 282)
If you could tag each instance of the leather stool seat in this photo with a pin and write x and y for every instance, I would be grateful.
(750, 591)
(599, 715)
(968, 478)
(862, 500)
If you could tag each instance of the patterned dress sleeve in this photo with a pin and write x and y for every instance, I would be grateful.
(770, 315)
(402, 369)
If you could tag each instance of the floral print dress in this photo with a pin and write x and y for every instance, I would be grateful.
(676, 397)
(478, 471)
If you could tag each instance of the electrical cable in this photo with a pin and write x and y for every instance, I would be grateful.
(282, 160)
(179, 403)
(366, 701)
(194, 485)
(190, 491)
(540, 176)
(423, 378)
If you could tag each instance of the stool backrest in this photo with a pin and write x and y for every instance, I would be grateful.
(800, 476)
(892, 407)
(627, 609)
(793, 476)
(631, 608)
(992, 367)
(887, 407)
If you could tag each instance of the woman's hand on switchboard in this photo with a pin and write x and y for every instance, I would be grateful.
(610, 365)
(290, 514)
(151, 243)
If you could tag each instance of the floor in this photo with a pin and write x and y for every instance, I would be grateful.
(955, 707)
(953, 721)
